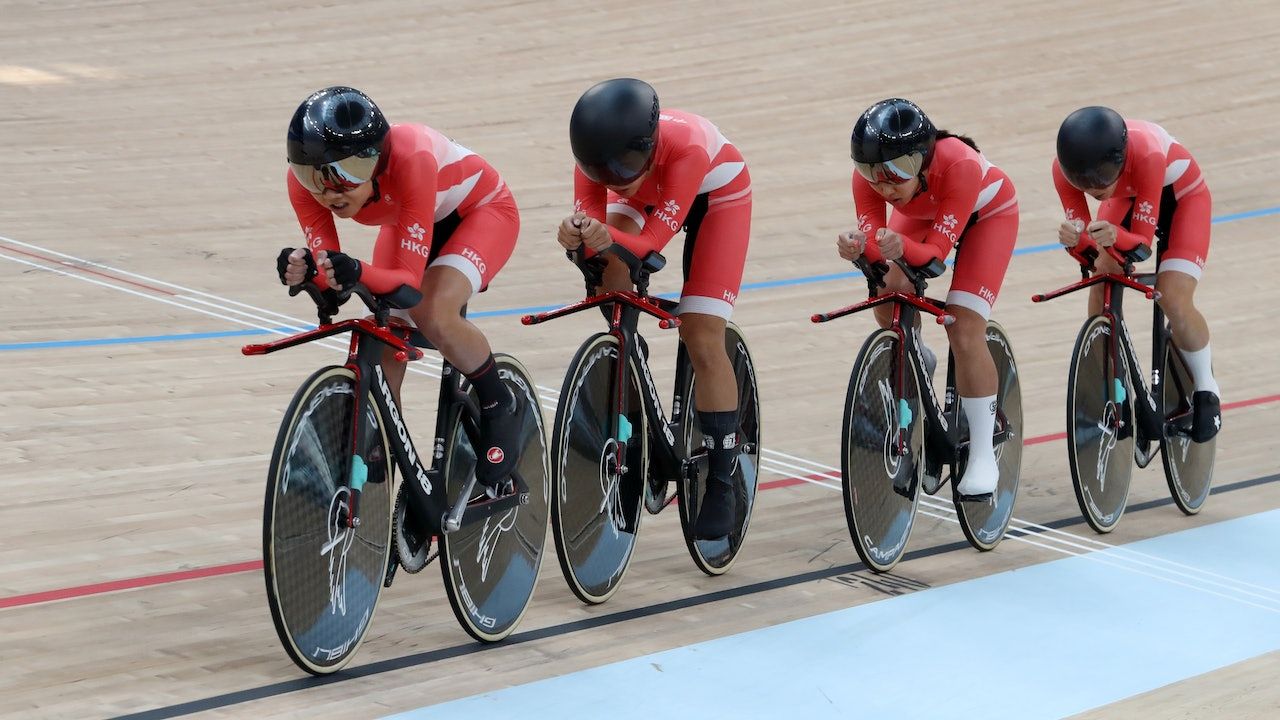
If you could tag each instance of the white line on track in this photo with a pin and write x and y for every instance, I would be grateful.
(773, 461)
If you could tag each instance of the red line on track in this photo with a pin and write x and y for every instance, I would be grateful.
(253, 565)
(128, 584)
(91, 271)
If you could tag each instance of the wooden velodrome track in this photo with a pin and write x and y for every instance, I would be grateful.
(144, 197)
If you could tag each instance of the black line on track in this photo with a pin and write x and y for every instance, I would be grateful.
(431, 656)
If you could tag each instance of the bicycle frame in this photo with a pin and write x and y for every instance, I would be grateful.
(941, 435)
(1151, 423)
(364, 359)
(625, 308)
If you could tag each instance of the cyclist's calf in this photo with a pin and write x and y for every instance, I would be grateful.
(703, 336)
(1177, 292)
(975, 370)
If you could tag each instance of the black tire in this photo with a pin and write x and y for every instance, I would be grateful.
(1100, 427)
(715, 557)
(324, 581)
(490, 566)
(1188, 466)
(880, 518)
(595, 514)
(984, 524)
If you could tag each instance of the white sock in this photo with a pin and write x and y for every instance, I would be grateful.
(981, 475)
(981, 414)
(1201, 366)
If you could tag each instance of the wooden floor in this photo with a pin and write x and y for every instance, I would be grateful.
(144, 196)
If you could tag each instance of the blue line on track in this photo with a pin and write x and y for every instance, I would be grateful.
(785, 282)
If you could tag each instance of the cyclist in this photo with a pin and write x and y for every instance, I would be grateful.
(447, 222)
(1149, 185)
(944, 193)
(643, 174)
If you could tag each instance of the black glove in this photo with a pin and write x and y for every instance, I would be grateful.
(346, 270)
(282, 264)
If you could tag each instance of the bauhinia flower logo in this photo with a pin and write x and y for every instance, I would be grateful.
(416, 231)
(1144, 207)
(671, 208)
(949, 221)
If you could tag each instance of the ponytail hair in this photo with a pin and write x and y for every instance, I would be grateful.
(944, 134)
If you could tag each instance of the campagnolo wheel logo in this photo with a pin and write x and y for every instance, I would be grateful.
(885, 554)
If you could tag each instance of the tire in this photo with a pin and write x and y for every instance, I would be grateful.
(323, 580)
(1188, 466)
(880, 518)
(984, 524)
(715, 557)
(1100, 430)
(490, 566)
(595, 514)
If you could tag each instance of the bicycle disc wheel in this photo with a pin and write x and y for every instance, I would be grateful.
(716, 556)
(595, 508)
(1100, 427)
(984, 524)
(1188, 466)
(881, 454)
(324, 579)
(491, 566)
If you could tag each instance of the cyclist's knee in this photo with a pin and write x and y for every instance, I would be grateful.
(436, 317)
(968, 334)
(703, 335)
(1177, 291)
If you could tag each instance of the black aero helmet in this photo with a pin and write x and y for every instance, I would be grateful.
(892, 141)
(335, 139)
(1091, 145)
(614, 129)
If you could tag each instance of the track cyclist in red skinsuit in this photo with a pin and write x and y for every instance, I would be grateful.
(1149, 186)
(447, 223)
(642, 174)
(944, 193)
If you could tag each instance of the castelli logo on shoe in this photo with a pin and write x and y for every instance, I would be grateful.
(495, 455)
